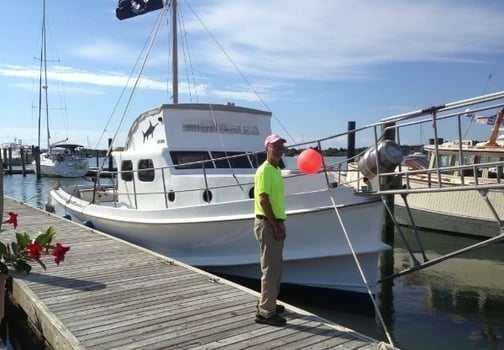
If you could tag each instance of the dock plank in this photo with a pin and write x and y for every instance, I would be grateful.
(110, 294)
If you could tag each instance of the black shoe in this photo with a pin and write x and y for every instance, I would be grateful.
(273, 320)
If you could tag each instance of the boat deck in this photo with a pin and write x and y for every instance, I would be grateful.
(109, 294)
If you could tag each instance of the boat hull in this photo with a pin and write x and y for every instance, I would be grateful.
(462, 212)
(52, 170)
(315, 255)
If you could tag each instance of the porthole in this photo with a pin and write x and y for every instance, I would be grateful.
(171, 195)
(207, 196)
(251, 192)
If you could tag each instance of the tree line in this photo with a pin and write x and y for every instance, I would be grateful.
(342, 152)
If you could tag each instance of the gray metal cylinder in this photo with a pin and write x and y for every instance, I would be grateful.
(389, 153)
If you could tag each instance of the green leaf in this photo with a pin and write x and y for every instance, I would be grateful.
(23, 239)
(44, 239)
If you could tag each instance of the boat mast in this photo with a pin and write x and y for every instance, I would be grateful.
(174, 52)
(43, 80)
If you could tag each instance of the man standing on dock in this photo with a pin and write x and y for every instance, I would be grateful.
(269, 229)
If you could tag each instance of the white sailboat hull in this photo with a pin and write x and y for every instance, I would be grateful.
(67, 168)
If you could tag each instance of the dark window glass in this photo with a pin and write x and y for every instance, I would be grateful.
(181, 158)
(235, 162)
(145, 170)
(259, 158)
(126, 173)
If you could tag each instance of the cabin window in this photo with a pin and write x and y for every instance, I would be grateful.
(146, 170)
(126, 170)
(259, 158)
(468, 160)
(197, 159)
(235, 162)
(446, 160)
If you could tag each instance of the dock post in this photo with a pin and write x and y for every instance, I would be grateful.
(387, 257)
(351, 141)
(23, 160)
(4, 155)
(9, 159)
(36, 155)
(388, 132)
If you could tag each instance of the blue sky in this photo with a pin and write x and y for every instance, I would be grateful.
(315, 64)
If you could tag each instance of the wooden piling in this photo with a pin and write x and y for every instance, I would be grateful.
(36, 156)
(351, 141)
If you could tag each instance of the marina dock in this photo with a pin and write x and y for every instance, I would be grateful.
(110, 294)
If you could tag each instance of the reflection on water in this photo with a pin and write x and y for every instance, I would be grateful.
(35, 192)
(463, 295)
(30, 190)
(456, 304)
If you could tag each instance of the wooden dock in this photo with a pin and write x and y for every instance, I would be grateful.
(109, 294)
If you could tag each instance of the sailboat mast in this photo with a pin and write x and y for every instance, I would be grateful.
(45, 87)
(43, 80)
(174, 52)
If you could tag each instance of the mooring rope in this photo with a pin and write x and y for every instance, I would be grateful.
(377, 310)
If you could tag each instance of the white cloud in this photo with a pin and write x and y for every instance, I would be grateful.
(336, 40)
(295, 40)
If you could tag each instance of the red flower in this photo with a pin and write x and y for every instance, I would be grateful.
(59, 253)
(12, 219)
(35, 251)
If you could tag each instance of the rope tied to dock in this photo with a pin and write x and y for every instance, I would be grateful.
(357, 263)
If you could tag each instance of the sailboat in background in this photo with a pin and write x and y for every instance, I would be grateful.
(61, 159)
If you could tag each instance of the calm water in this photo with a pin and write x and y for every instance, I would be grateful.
(457, 304)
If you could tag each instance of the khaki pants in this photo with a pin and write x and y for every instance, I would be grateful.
(271, 266)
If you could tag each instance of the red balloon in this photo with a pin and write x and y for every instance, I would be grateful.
(309, 161)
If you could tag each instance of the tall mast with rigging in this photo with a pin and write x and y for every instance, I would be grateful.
(43, 80)
(174, 52)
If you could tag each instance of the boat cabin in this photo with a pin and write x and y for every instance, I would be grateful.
(171, 149)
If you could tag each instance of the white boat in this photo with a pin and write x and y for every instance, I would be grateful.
(18, 151)
(466, 212)
(63, 160)
(184, 188)
(60, 159)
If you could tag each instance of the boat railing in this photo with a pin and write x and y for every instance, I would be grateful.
(442, 118)
(439, 119)
(241, 178)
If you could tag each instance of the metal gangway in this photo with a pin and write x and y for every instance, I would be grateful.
(400, 181)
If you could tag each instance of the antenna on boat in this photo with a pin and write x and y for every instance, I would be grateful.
(483, 92)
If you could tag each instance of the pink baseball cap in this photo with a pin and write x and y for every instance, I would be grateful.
(273, 138)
